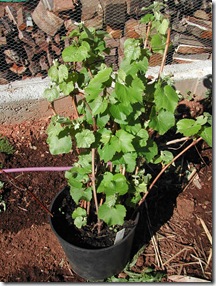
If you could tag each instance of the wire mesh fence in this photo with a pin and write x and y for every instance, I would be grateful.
(32, 32)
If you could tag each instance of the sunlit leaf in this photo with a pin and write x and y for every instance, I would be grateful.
(188, 127)
(132, 50)
(75, 54)
(58, 138)
(80, 217)
(51, 93)
(112, 215)
(85, 138)
(163, 27)
(206, 134)
(166, 97)
(161, 121)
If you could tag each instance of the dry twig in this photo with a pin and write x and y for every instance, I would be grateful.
(154, 241)
(206, 230)
(174, 256)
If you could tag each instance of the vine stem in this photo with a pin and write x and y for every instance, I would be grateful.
(25, 188)
(147, 35)
(164, 169)
(177, 140)
(94, 187)
(165, 52)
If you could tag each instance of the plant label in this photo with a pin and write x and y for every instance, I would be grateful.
(119, 235)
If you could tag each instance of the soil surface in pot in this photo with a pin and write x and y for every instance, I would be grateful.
(175, 222)
(88, 236)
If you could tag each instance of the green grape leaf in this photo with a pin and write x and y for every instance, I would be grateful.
(51, 93)
(77, 177)
(132, 50)
(59, 139)
(147, 18)
(162, 29)
(66, 87)
(94, 87)
(206, 134)
(107, 152)
(76, 54)
(62, 73)
(133, 129)
(102, 120)
(101, 77)
(85, 161)
(92, 92)
(85, 138)
(161, 121)
(166, 98)
(88, 32)
(165, 157)
(53, 73)
(188, 127)
(130, 161)
(158, 43)
(113, 184)
(112, 215)
(136, 91)
(120, 112)
(80, 217)
(98, 106)
(143, 134)
(105, 135)
(125, 141)
(78, 194)
(202, 119)
(111, 200)
(150, 150)
(122, 93)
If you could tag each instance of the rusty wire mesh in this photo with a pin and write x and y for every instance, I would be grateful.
(31, 31)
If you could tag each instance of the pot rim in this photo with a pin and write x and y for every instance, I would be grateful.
(89, 249)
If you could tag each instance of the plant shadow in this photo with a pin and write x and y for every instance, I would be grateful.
(156, 210)
(159, 205)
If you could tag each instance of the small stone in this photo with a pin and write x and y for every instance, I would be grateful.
(201, 14)
(197, 222)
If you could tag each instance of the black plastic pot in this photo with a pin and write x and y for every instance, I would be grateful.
(91, 264)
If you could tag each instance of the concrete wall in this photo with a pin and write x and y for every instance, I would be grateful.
(23, 100)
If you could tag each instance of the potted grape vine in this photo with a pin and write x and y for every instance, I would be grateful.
(117, 116)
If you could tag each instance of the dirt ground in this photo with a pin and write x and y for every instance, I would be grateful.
(174, 222)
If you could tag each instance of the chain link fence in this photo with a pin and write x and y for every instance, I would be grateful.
(31, 32)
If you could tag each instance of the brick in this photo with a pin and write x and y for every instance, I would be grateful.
(59, 6)
(92, 13)
(96, 22)
(130, 29)
(191, 49)
(46, 20)
(90, 9)
(69, 26)
(112, 43)
(114, 33)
